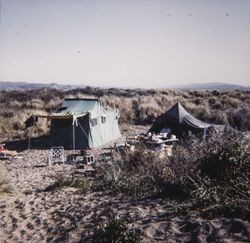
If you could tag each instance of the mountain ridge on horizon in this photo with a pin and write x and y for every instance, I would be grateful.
(20, 85)
(212, 86)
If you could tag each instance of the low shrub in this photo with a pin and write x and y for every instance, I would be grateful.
(5, 186)
(117, 230)
(225, 159)
(137, 174)
(239, 118)
(215, 173)
(82, 183)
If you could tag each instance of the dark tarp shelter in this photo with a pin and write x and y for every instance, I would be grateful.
(182, 123)
(82, 123)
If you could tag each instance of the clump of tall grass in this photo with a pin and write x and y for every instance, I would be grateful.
(117, 230)
(5, 185)
(137, 174)
(215, 173)
(239, 118)
(82, 183)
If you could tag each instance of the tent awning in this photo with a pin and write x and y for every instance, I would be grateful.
(67, 115)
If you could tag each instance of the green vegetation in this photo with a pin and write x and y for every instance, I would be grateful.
(82, 183)
(137, 106)
(137, 174)
(5, 186)
(206, 175)
(115, 231)
(215, 173)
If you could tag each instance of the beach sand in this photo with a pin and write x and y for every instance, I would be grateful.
(32, 214)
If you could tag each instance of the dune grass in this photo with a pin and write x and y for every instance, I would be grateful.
(212, 174)
(5, 185)
(136, 106)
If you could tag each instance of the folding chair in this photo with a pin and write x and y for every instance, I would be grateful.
(56, 155)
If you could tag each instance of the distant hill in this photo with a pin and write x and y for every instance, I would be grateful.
(192, 86)
(26, 85)
(212, 86)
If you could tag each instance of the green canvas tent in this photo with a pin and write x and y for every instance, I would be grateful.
(83, 123)
(182, 122)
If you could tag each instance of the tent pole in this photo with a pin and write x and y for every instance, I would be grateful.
(74, 141)
(29, 138)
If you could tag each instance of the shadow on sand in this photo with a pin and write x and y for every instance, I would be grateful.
(42, 142)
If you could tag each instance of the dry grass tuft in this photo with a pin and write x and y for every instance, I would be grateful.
(5, 186)
(82, 183)
(117, 230)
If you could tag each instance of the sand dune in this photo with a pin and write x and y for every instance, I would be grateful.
(65, 215)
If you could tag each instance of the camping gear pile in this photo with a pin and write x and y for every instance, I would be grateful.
(5, 153)
(162, 142)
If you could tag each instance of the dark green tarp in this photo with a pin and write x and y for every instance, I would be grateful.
(182, 122)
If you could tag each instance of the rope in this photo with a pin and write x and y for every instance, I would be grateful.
(84, 131)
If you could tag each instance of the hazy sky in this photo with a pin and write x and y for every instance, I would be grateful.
(127, 43)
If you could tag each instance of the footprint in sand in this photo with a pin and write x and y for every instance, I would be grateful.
(30, 226)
